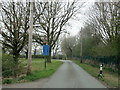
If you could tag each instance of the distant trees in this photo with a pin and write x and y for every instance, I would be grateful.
(68, 45)
(101, 34)
(71, 45)
(88, 39)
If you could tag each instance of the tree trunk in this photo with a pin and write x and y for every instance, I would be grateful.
(16, 62)
(72, 53)
(3, 50)
(26, 54)
(35, 52)
(49, 57)
(81, 59)
(15, 57)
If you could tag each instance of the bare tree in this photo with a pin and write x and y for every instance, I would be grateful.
(105, 19)
(68, 45)
(53, 20)
(15, 18)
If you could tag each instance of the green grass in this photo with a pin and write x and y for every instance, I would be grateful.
(38, 70)
(110, 79)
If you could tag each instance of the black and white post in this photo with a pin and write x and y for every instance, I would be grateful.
(101, 70)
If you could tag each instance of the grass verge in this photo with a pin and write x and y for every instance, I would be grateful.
(110, 79)
(38, 71)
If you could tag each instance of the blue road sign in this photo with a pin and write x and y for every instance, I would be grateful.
(46, 49)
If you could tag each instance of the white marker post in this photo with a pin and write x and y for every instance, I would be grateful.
(101, 70)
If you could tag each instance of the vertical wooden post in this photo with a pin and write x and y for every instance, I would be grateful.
(30, 39)
(45, 63)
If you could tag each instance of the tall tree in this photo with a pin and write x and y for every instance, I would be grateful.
(15, 19)
(53, 20)
(105, 20)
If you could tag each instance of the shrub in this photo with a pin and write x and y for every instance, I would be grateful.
(7, 81)
(7, 65)
(37, 56)
(9, 68)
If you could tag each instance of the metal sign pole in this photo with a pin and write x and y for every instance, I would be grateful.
(46, 50)
(45, 64)
(81, 46)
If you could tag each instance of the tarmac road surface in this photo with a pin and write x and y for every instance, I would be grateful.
(70, 75)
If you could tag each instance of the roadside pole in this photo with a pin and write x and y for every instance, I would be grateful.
(81, 46)
(46, 50)
(101, 71)
(45, 63)
(30, 38)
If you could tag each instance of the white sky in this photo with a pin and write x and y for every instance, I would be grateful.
(48, 0)
(81, 18)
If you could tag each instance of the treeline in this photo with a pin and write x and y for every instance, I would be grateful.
(100, 36)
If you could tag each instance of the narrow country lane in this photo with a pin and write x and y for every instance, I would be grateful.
(69, 75)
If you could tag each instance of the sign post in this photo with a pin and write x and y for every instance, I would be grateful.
(46, 49)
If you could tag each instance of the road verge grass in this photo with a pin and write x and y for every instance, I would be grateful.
(38, 71)
(110, 79)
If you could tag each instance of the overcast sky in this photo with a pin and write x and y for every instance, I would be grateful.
(81, 18)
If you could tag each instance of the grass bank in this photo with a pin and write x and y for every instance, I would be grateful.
(38, 71)
(110, 79)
